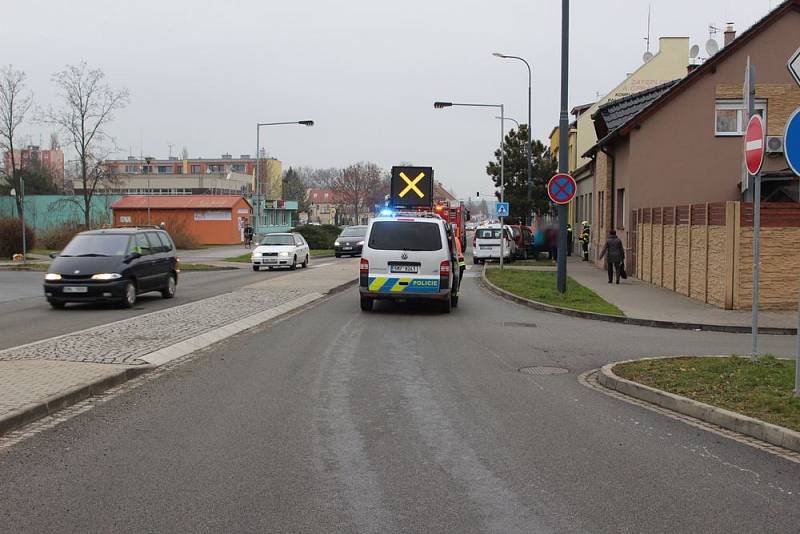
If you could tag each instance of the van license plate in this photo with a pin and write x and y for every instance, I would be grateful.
(405, 268)
(76, 289)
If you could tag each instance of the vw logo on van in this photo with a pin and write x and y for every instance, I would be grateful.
(76, 272)
(403, 256)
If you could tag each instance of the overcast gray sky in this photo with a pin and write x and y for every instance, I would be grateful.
(202, 73)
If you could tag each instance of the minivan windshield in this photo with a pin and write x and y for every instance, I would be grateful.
(97, 245)
(354, 231)
(401, 235)
(278, 240)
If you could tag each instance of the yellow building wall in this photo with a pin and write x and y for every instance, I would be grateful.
(670, 63)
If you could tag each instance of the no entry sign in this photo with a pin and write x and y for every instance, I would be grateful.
(561, 188)
(754, 144)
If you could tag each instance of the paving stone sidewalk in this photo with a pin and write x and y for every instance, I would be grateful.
(645, 301)
(37, 378)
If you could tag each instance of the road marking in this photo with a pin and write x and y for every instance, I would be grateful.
(316, 266)
(589, 379)
(754, 145)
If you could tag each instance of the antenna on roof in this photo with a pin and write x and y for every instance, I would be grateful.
(647, 56)
(712, 46)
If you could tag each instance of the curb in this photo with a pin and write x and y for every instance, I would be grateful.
(654, 323)
(55, 403)
(743, 424)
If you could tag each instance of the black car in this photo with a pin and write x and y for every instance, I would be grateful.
(113, 265)
(350, 241)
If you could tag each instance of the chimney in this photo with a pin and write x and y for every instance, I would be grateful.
(730, 34)
(227, 156)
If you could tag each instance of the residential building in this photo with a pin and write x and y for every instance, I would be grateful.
(672, 156)
(51, 160)
(173, 176)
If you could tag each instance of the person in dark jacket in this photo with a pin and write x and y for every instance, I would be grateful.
(614, 253)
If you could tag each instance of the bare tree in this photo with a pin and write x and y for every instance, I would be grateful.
(358, 185)
(15, 102)
(87, 108)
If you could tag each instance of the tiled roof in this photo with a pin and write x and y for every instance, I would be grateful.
(614, 114)
(177, 202)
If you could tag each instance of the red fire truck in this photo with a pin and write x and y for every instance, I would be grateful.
(454, 213)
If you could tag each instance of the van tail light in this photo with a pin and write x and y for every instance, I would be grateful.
(363, 273)
(444, 268)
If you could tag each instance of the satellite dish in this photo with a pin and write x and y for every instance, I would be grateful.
(647, 56)
(712, 47)
(694, 51)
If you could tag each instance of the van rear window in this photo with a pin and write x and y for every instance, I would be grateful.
(397, 235)
(487, 233)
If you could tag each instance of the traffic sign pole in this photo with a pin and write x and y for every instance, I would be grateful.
(754, 159)
(563, 149)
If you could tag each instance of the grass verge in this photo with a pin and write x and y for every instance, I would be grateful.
(762, 389)
(29, 266)
(204, 267)
(541, 287)
(315, 253)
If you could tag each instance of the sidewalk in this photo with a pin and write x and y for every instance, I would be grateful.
(645, 301)
(39, 378)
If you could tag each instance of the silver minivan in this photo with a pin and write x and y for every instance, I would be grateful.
(409, 257)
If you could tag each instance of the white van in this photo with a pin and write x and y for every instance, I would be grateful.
(486, 244)
(409, 257)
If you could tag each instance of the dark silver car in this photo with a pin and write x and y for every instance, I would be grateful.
(350, 242)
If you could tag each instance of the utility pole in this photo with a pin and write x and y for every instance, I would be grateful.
(563, 149)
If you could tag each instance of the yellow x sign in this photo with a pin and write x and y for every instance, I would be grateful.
(412, 184)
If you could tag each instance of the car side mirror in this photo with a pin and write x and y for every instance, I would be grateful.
(132, 256)
(53, 255)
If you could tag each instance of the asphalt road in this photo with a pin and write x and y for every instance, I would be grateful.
(27, 317)
(402, 420)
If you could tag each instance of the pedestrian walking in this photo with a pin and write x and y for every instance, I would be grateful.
(248, 236)
(614, 253)
(584, 238)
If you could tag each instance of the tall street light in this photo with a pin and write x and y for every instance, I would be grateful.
(515, 121)
(442, 105)
(530, 147)
(260, 209)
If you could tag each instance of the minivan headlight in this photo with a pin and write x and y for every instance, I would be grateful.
(52, 277)
(106, 276)
(336, 243)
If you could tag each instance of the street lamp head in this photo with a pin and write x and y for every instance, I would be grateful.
(498, 54)
(306, 123)
(442, 105)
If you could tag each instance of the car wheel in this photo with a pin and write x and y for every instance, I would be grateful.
(129, 298)
(56, 305)
(447, 305)
(269, 268)
(293, 266)
(256, 268)
(366, 304)
(305, 262)
(169, 290)
(475, 261)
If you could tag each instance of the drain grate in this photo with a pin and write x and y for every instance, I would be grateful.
(524, 325)
(543, 370)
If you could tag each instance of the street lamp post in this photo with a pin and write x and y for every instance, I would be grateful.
(530, 147)
(509, 119)
(442, 105)
(260, 207)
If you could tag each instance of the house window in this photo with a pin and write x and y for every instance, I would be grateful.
(731, 118)
(620, 219)
(130, 169)
(238, 167)
(164, 169)
(216, 168)
(195, 169)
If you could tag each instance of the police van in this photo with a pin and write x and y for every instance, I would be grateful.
(409, 256)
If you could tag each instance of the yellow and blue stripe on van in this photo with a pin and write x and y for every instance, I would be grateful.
(386, 284)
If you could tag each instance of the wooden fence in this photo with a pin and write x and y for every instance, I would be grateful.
(704, 251)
